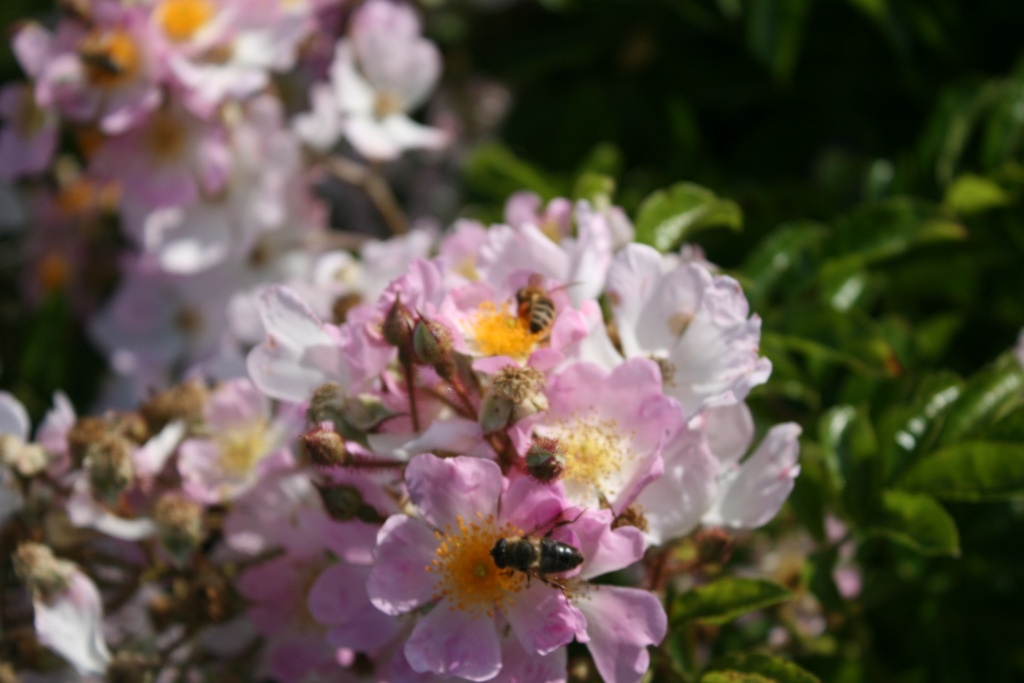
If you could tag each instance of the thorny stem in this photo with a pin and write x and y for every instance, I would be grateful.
(456, 406)
(410, 388)
(375, 187)
(658, 568)
(363, 463)
(502, 445)
(463, 396)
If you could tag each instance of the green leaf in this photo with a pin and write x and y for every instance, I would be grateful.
(494, 171)
(595, 188)
(971, 193)
(876, 9)
(879, 231)
(848, 437)
(729, 676)
(604, 159)
(766, 666)
(667, 218)
(789, 248)
(917, 521)
(970, 471)
(905, 428)
(983, 400)
(774, 33)
(817, 352)
(1009, 427)
(726, 599)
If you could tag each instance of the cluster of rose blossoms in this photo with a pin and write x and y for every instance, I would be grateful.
(334, 444)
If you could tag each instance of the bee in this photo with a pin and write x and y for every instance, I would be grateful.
(101, 62)
(534, 305)
(537, 557)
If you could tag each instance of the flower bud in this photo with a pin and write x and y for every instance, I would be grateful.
(545, 459)
(344, 503)
(130, 425)
(432, 343)
(85, 432)
(325, 447)
(327, 403)
(108, 462)
(41, 570)
(495, 413)
(27, 459)
(365, 411)
(524, 387)
(397, 329)
(185, 401)
(179, 522)
(7, 674)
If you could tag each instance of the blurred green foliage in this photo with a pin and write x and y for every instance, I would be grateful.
(873, 153)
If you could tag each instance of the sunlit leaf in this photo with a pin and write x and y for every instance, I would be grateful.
(594, 187)
(971, 193)
(982, 400)
(669, 217)
(729, 676)
(765, 665)
(726, 599)
(850, 444)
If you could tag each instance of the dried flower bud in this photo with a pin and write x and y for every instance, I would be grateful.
(517, 383)
(432, 343)
(41, 570)
(109, 464)
(397, 330)
(327, 404)
(325, 447)
(27, 459)
(85, 432)
(344, 503)
(131, 667)
(179, 523)
(185, 401)
(545, 459)
(132, 426)
(524, 387)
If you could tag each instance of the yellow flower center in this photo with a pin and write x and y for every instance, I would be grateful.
(110, 58)
(387, 103)
(180, 19)
(596, 450)
(498, 332)
(467, 577)
(466, 267)
(242, 447)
